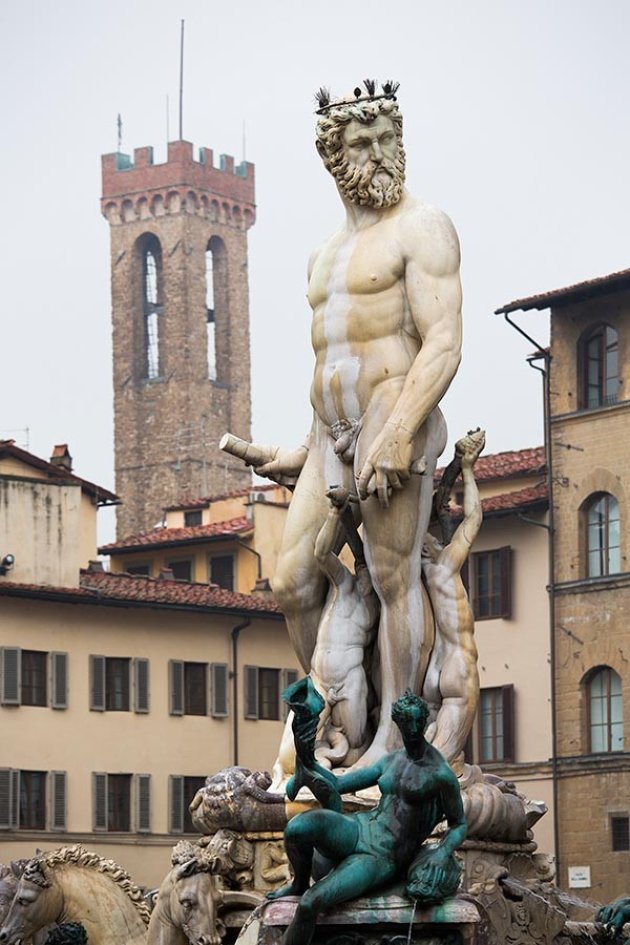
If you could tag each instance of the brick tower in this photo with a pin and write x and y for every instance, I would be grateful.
(180, 313)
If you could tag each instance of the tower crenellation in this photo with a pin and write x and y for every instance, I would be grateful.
(180, 314)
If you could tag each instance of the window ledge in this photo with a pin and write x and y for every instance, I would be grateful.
(588, 412)
(593, 584)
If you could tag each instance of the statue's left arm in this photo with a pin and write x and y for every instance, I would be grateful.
(454, 815)
(433, 291)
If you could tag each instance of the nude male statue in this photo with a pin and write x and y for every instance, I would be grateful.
(451, 684)
(386, 331)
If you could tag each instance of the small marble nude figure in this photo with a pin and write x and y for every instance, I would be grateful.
(347, 628)
(451, 685)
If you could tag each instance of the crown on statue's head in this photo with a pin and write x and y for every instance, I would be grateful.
(388, 90)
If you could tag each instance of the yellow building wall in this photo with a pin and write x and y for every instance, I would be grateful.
(41, 526)
(80, 741)
(516, 651)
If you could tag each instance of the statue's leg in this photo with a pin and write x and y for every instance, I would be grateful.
(393, 539)
(350, 713)
(353, 877)
(298, 583)
(335, 836)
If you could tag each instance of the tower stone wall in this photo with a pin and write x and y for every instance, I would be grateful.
(168, 418)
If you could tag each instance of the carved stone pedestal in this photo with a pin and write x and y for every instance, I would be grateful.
(373, 920)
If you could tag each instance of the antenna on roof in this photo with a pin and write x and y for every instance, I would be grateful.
(181, 84)
(119, 126)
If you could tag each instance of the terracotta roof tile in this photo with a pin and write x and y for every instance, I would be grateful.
(186, 533)
(506, 465)
(101, 586)
(508, 502)
(601, 285)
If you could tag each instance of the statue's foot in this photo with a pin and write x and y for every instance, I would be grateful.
(292, 889)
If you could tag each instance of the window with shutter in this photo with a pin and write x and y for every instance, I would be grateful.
(33, 678)
(32, 803)
(6, 805)
(97, 683)
(496, 724)
(191, 786)
(10, 675)
(250, 682)
(287, 678)
(15, 798)
(59, 680)
(176, 803)
(219, 690)
(491, 587)
(195, 689)
(269, 694)
(143, 803)
(58, 804)
(176, 686)
(141, 686)
(99, 801)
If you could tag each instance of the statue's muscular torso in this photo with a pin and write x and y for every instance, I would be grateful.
(363, 334)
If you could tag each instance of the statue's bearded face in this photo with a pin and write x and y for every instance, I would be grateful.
(362, 149)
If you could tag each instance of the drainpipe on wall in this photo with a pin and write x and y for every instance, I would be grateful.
(235, 633)
(545, 356)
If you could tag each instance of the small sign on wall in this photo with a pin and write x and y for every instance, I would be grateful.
(579, 877)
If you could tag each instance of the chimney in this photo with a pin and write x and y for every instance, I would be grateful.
(166, 574)
(95, 566)
(61, 456)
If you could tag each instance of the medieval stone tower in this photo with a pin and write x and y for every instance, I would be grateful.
(180, 314)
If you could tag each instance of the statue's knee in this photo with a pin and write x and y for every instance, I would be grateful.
(290, 593)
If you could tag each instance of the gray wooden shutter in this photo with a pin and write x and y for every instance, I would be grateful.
(287, 678)
(99, 801)
(250, 682)
(141, 685)
(176, 803)
(219, 700)
(59, 680)
(58, 802)
(176, 686)
(7, 804)
(10, 675)
(97, 683)
(143, 803)
(507, 696)
(505, 564)
(15, 799)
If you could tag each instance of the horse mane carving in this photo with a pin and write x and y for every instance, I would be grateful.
(79, 856)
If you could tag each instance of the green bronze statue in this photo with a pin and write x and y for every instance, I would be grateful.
(371, 849)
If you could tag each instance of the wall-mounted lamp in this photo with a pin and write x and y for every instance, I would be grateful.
(6, 564)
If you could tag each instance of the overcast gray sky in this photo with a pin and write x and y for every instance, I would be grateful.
(516, 124)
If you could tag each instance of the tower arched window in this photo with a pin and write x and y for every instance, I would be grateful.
(603, 540)
(217, 318)
(151, 255)
(599, 354)
(605, 710)
(211, 323)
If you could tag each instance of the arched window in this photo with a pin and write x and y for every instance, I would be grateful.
(211, 323)
(600, 367)
(602, 535)
(151, 259)
(217, 311)
(605, 710)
